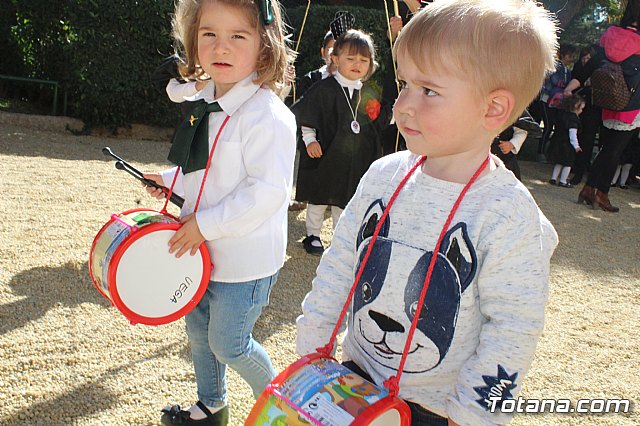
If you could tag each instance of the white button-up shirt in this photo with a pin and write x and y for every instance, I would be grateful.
(243, 209)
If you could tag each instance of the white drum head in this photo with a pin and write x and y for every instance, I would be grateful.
(388, 418)
(152, 282)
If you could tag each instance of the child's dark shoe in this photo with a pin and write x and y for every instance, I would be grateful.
(565, 185)
(175, 416)
(313, 245)
(553, 181)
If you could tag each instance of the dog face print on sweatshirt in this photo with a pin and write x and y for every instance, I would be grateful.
(387, 294)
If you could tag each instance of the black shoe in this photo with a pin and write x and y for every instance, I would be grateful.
(624, 187)
(565, 185)
(310, 248)
(175, 416)
(553, 182)
(575, 181)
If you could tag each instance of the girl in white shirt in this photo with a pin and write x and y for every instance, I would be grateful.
(241, 213)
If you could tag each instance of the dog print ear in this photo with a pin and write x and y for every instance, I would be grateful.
(370, 222)
(456, 246)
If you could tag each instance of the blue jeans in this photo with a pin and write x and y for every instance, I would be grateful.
(219, 330)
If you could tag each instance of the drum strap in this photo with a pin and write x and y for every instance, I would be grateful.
(206, 170)
(392, 383)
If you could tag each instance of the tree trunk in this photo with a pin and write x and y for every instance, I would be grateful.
(565, 10)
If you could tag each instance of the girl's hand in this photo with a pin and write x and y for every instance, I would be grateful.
(154, 192)
(314, 150)
(395, 23)
(187, 238)
(578, 149)
(505, 147)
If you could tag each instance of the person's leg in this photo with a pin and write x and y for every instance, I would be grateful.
(315, 217)
(616, 175)
(210, 373)
(564, 174)
(624, 175)
(550, 115)
(234, 310)
(546, 131)
(613, 143)
(335, 215)
(555, 173)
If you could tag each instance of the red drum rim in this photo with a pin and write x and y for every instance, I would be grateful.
(368, 415)
(99, 234)
(115, 260)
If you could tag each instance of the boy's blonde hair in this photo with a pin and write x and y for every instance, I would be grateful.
(357, 42)
(494, 44)
(273, 59)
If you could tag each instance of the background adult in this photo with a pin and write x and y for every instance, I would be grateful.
(621, 44)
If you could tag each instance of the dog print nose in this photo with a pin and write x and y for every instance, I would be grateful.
(385, 323)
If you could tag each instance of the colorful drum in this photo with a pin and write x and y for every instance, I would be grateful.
(130, 265)
(318, 390)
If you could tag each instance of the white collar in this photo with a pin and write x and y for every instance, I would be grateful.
(324, 71)
(349, 84)
(234, 98)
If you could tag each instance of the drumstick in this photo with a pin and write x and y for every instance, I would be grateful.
(107, 151)
(121, 164)
(175, 198)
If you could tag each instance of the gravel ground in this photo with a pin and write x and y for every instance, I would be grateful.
(69, 358)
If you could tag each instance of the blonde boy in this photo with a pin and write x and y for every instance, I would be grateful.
(467, 69)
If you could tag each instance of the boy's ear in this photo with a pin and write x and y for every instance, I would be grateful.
(500, 104)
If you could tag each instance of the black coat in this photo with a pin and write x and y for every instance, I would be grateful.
(332, 179)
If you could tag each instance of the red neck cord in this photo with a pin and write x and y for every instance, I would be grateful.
(206, 171)
(392, 383)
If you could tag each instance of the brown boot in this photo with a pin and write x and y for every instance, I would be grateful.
(602, 200)
(587, 194)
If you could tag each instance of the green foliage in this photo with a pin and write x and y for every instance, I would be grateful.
(118, 46)
(592, 20)
(9, 50)
(102, 52)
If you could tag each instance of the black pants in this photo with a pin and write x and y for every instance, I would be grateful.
(591, 120)
(549, 117)
(420, 416)
(613, 143)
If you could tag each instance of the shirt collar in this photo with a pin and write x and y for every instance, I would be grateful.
(234, 98)
(324, 70)
(349, 84)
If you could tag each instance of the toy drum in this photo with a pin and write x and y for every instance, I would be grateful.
(318, 390)
(130, 265)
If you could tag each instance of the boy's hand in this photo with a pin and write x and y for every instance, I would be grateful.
(505, 147)
(187, 238)
(578, 149)
(314, 150)
(154, 192)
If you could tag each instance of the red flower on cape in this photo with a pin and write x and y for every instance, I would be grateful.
(373, 109)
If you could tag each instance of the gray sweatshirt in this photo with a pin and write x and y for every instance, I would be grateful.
(484, 310)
